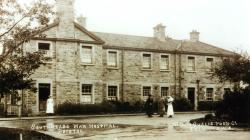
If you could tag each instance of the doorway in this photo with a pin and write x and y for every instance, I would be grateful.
(191, 95)
(43, 93)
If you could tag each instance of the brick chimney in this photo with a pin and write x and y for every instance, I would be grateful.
(194, 36)
(82, 20)
(159, 32)
(65, 13)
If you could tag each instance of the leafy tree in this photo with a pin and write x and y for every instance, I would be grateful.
(18, 24)
(236, 104)
(234, 69)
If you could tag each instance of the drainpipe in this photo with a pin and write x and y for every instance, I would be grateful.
(122, 75)
(175, 76)
(196, 97)
(180, 75)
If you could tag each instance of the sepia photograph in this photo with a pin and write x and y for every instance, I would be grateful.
(124, 69)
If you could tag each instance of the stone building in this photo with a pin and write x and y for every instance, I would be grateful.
(89, 67)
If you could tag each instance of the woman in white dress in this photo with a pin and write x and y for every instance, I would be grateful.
(50, 106)
(170, 111)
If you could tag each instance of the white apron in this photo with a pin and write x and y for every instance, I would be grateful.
(50, 106)
(170, 111)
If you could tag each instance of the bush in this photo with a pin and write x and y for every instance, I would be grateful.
(68, 108)
(207, 105)
(235, 106)
(182, 104)
(1, 110)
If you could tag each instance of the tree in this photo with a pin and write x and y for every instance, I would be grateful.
(234, 69)
(18, 24)
(236, 104)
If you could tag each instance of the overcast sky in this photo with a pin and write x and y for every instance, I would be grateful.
(224, 23)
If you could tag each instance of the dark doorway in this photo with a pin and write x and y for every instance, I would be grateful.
(44, 93)
(191, 93)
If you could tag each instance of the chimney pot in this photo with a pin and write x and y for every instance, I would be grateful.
(159, 32)
(194, 36)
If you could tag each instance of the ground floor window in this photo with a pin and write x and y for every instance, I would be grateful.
(112, 93)
(86, 94)
(146, 90)
(164, 91)
(209, 94)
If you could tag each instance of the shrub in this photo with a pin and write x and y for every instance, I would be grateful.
(1, 109)
(182, 104)
(235, 106)
(68, 108)
(207, 105)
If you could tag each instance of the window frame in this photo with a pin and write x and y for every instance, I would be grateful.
(50, 55)
(92, 54)
(160, 57)
(151, 61)
(117, 59)
(195, 67)
(92, 92)
(151, 90)
(168, 93)
(210, 70)
(206, 93)
(107, 94)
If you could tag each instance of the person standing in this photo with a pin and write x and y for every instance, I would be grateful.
(50, 106)
(170, 111)
(161, 107)
(149, 106)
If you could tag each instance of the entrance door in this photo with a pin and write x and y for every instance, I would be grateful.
(191, 93)
(44, 93)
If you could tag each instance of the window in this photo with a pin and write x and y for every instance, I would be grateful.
(146, 90)
(112, 93)
(86, 54)
(86, 94)
(164, 91)
(209, 64)
(164, 62)
(112, 58)
(45, 49)
(209, 94)
(146, 61)
(191, 63)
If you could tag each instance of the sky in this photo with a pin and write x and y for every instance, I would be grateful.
(224, 23)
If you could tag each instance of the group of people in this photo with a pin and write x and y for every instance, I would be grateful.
(149, 106)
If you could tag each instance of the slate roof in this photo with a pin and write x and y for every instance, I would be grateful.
(150, 43)
(185, 46)
(200, 47)
(132, 41)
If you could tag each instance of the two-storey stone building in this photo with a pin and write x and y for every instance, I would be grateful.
(89, 67)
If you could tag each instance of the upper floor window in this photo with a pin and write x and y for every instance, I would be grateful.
(209, 94)
(209, 64)
(191, 63)
(146, 60)
(164, 91)
(112, 58)
(45, 49)
(86, 54)
(112, 92)
(164, 62)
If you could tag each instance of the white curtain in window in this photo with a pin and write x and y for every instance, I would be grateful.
(147, 61)
(191, 64)
(112, 59)
(164, 64)
(87, 54)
